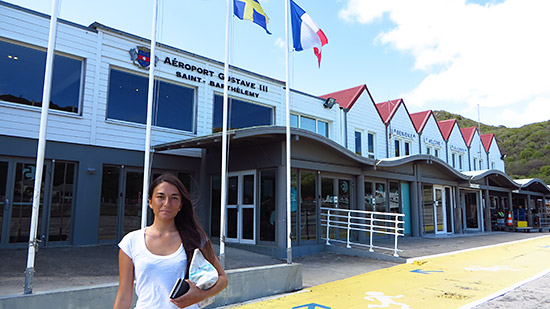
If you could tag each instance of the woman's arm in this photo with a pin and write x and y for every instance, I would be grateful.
(195, 295)
(125, 283)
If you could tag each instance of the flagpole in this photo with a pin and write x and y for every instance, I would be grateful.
(46, 94)
(287, 141)
(223, 199)
(147, 162)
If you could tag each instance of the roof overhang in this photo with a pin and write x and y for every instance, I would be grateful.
(498, 178)
(259, 135)
(533, 185)
(421, 158)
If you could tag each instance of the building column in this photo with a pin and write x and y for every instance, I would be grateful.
(529, 212)
(360, 200)
(487, 211)
(459, 211)
(416, 204)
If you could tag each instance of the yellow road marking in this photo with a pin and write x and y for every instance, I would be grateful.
(450, 281)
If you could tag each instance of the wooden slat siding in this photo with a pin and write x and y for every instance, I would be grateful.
(364, 116)
(457, 140)
(431, 130)
(402, 121)
(475, 147)
(494, 155)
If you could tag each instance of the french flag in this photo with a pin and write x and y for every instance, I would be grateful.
(305, 32)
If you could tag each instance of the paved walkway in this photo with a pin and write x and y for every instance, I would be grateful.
(448, 281)
(67, 268)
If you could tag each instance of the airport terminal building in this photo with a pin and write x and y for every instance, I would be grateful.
(349, 151)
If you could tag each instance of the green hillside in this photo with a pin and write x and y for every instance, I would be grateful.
(527, 148)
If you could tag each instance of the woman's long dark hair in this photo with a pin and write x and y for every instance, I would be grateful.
(191, 233)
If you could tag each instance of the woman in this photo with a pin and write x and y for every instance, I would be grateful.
(156, 256)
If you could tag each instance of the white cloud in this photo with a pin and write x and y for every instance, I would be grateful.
(495, 55)
(535, 111)
(280, 42)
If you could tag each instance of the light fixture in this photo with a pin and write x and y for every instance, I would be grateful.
(90, 171)
(329, 103)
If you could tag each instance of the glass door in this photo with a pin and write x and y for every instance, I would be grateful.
(241, 207)
(21, 205)
(4, 200)
(132, 201)
(440, 210)
(335, 193)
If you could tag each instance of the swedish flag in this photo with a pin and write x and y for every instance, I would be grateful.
(251, 10)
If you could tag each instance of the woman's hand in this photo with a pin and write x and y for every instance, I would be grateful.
(193, 296)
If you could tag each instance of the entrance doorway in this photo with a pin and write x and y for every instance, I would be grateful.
(440, 210)
(241, 207)
(335, 193)
(437, 209)
(16, 199)
(121, 197)
(472, 217)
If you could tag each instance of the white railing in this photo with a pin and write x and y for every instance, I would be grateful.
(366, 223)
(544, 220)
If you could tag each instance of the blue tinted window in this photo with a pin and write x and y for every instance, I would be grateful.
(358, 146)
(371, 142)
(293, 120)
(173, 105)
(308, 124)
(22, 78)
(322, 128)
(242, 114)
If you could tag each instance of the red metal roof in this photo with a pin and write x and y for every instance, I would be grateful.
(387, 109)
(420, 119)
(468, 134)
(487, 139)
(346, 98)
(446, 127)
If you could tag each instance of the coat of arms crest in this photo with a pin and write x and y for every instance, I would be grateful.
(141, 56)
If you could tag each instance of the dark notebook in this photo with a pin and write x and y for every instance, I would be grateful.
(181, 287)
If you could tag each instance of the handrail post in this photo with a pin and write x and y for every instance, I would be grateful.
(328, 228)
(349, 229)
(371, 231)
(396, 235)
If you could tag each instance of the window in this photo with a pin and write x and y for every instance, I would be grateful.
(371, 143)
(242, 114)
(407, 148)
(268, 195)
(294, 120)
(453, 157)
(322, 128)
(492, 165)
(310, 124)
(395, 197)
(460, 162)
(475, 164)
(62, 201)
(480, 164)
(429, 150)
(358, 146)
(397, 151)
(22, 78)
(173, 108)
(436, 151)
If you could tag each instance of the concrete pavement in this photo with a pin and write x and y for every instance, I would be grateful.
(458, 280)
(70, 268)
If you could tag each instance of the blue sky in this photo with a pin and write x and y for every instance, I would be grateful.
(452, 55)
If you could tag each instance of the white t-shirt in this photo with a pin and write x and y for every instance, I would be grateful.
(155, 274)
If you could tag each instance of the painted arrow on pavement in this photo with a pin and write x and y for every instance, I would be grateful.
(425, 272)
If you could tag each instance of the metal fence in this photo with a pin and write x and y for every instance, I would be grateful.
(339, 224)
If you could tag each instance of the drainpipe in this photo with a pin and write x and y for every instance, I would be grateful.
(344, 125)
